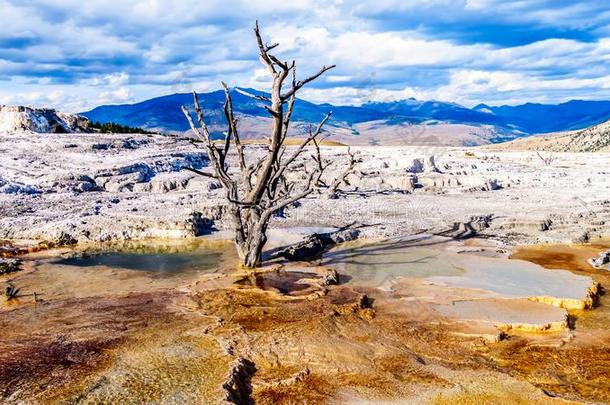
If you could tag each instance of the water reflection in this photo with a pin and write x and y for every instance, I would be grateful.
(376, 263)
(153, 257)
(154, 262)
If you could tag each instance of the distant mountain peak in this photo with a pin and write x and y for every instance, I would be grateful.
(484, 108)
(163, 113)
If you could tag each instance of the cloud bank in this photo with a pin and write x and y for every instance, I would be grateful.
(75, 55)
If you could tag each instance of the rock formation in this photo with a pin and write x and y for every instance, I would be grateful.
(430, 165)
(42, 120)
(9, 265)
(238, 387)
(601, 260)
(316, 243)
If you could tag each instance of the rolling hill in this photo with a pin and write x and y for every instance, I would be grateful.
(593, 139)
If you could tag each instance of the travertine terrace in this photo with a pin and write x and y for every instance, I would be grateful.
(97, 187)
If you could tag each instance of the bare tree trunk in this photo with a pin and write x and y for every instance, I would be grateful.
(261, 188)
(254, 250)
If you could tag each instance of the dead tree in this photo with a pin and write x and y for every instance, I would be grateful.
(261, 187)
(546, 160)
(341, 179)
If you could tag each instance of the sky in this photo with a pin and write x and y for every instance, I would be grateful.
(75, 55)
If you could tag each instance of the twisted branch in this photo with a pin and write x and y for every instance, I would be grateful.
(263, 188)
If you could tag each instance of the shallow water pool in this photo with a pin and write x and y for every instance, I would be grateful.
(162, 258)
(195, 261)
(375, 264)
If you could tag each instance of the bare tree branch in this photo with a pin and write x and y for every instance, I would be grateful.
(311, 137)
(272, 112)
(195, 130)
(291, 100)
(264, 49)
(264, 187)
(546, 160)
(232, 133)
(215, 155)
(254, 96)
(271, 46)
(199, 172)
(302, 83)
(312, 181)
(283, 65)
(200, 119)
(342, 178)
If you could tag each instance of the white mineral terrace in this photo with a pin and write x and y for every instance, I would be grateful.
(105, 187)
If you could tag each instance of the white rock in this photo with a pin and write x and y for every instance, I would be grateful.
(42, 120)
(401, 182)
(601, 260)
(430, 165)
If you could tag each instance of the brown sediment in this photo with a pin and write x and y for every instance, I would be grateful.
(48, 347)
(579, 367)
(284, 282)
(162, 364)
(574, 371)
(346, 352)
(178, 340)
(336, 342)
(303, 350)
(567, 257)
(10, 249)
(49, 362)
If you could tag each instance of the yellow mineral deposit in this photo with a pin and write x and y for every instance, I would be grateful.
(111, 330)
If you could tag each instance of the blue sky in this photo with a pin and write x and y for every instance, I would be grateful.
(74, 55)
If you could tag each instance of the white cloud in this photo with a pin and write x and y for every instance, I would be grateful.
(472, 87)
(351, 95)
(78, 54)
(122, 94)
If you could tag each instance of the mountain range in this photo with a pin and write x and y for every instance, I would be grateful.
(410, 120)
